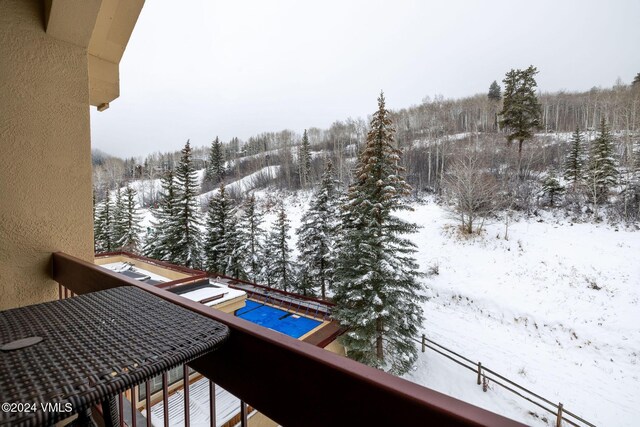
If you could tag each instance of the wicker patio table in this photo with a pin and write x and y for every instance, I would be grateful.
(93, 347)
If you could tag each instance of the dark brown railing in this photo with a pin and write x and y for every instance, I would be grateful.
(292, 382)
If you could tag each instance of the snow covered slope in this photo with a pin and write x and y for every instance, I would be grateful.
(555, 308)
(244, 184)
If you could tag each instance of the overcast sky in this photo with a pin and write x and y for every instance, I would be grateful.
(200, 68)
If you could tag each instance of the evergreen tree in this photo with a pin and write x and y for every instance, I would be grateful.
(494, 95)
(551, 188)
(130, 222)
(636, 160)
(219, 232)
(162, 241)
(268, 267)
(252, 239)
(495, 92)
(187, 219)
(377, 289)
(214, 172)
(603, 172)
(304, 160)
(317, 237)
(117, 225)
(574, 164)
(636, 81)
(521, 109)
(633, 192)
(236, 257)
(283, 269)
(103, 225)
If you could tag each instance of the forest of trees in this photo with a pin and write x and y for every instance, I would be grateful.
(431, 135)
(579, 152)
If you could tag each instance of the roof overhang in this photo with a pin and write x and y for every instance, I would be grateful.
(103, 27)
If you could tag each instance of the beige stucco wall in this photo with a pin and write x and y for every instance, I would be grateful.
(45, 154)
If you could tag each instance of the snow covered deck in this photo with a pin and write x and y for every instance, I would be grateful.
(135, 273)
(227, 406)
(208, 292)
(214, 294)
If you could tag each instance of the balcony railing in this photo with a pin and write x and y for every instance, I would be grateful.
(291, 382)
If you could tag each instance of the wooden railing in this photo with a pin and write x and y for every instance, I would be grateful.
(292, 382)
(486, 375)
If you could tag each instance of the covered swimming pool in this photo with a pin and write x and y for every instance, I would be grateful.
(282, 321)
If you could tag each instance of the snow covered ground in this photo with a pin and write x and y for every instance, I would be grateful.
(556, 308)
(242, 185)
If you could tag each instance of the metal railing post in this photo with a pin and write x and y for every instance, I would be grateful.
(185, 383)
(243, 414)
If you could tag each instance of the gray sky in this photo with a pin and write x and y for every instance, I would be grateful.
(200, 68)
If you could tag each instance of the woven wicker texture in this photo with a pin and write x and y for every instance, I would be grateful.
(95, 346)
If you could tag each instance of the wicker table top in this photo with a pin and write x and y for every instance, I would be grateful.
(94, 346)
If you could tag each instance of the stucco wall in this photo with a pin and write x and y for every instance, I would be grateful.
(45, 154)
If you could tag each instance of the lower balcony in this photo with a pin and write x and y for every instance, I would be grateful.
(264, 378)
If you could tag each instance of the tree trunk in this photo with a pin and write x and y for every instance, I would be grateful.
(520, 172)
(379, 331)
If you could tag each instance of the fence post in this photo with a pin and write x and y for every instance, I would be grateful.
(424, 343)
(479, 373)
(559, 419)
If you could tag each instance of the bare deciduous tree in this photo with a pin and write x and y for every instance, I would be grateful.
(472, 189)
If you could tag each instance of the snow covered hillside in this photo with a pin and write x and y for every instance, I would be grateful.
(556, 308)
(242, 185)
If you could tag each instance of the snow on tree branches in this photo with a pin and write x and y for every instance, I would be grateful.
(378, 294)
(317, 238)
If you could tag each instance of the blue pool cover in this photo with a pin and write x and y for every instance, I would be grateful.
(276, 319)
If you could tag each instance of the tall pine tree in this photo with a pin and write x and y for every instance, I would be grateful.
(236, 256)
(103, 225)
(378, 294)
(494, 96)
(495, 93)
(574, 164)
(187, 218)
(117, 225)
(304, 161)
(162, 240)
(214, 172)
(283, 268)
(130, 222)
(268, 267)
(252, 239)
(603, 172)
(317, 237)
(520, 109)
(220, 232)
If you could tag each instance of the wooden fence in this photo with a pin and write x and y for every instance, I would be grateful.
(486, 375)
